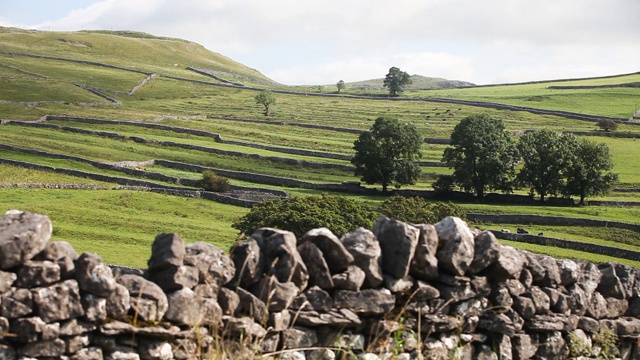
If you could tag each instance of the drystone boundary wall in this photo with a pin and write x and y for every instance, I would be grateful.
(439, 291)
(549, 220)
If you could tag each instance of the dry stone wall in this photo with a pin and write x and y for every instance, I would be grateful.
(401, 291)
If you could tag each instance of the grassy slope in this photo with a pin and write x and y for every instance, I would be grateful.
(128, 230)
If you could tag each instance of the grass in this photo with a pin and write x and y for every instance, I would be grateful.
(121, 225)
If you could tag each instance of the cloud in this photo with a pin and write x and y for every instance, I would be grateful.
(320, 41)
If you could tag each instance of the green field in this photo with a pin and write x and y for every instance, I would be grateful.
(119, 223)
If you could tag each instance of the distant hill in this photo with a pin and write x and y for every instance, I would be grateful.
(418, 82)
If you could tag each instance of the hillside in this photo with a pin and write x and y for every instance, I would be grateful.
(417, 82)
(92, 120)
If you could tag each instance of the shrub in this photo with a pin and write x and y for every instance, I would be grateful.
(608, 125)
(416, 210)
(444, 185)
(212, 182)
(301, 214)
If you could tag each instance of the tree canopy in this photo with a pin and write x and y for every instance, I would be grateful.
(266, 99)
(396, 80)
(545, 156)
(341, 85)
(482, 155)
(589, 171)
(387, 153)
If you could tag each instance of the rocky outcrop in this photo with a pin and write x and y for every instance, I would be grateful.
(400, 291)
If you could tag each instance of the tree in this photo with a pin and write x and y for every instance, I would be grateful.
(545, 155)
(588, 174)
(386, 153)
(417, 210)
(607, 125)
(341, 86)
(395, 81)
(266, 99)
(301, 214)
(482, 155)
(212, 182)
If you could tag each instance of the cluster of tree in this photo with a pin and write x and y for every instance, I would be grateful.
(484, 158)
(340, 214)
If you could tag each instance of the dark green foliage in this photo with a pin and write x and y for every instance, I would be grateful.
(482, 155)
(395, 81)
(301, 214)
(588, 174)
(212, 182)
(386, 154)
(340, 85)
(417, 210)
(608, 125)
(266, 99)
(546, 155)
(444, 184)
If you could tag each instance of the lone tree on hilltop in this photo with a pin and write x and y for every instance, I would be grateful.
(482, 155)
(588, 174)
(395, 81)
(386, 153)
(546, 155)
(341, 86)
(266, 99)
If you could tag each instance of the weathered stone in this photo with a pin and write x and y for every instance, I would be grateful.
(396, 285)
(508, 265)
(74, 327)
(114, 328)
(440, 323)
(213, 264)
(398, 242)
(279, 321)
(597, 307)
(155, 350)
(617, 280)
(524, 306)
(229, 301)
(578, 300)
(176, 277)
(33, 329)
(147, 299)
(634, 307)
(248, 261)
(94, 276)
(579, 344)
(540, 300)
(616, 307)
(500, 296)
(551, 272)
(16, 303)
(480, 285)
(569, 271)
(22, 236)
(558, 302)
(51, 349)
(76, 343)
(497, 323)
(7, 352)
(90, 353)
(318, 299)
(167, 251)
(525, 277)
(252, 306)
(299, 337)
(341, 318)
(118, 302)
(549, 323)
(183, 308)
(425, 291)
(456, 293)
(61, 253)
(279, 247)
(589, 277)
(277, 295)
(486, 252)
(469, 308)
(243, 326)
(424, 265)
(319, 272)
(320, 354)
(333, 251)
(522, 347)
(551, 345)
(95, 308)
(60, 301)
(515, 287)
(6, 280)
(364, 246)
(534, 267)
(123, 353)
(588, 324)
(456, 244)
(351, 279)
(504, 347)
(184, 349)
(37, 273)
(366, 302)
(627, 326)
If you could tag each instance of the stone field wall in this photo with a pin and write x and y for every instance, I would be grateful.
(398, 291)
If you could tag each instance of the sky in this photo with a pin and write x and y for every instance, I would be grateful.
(311, 42)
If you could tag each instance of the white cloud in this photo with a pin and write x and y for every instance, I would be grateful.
(320, 41)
